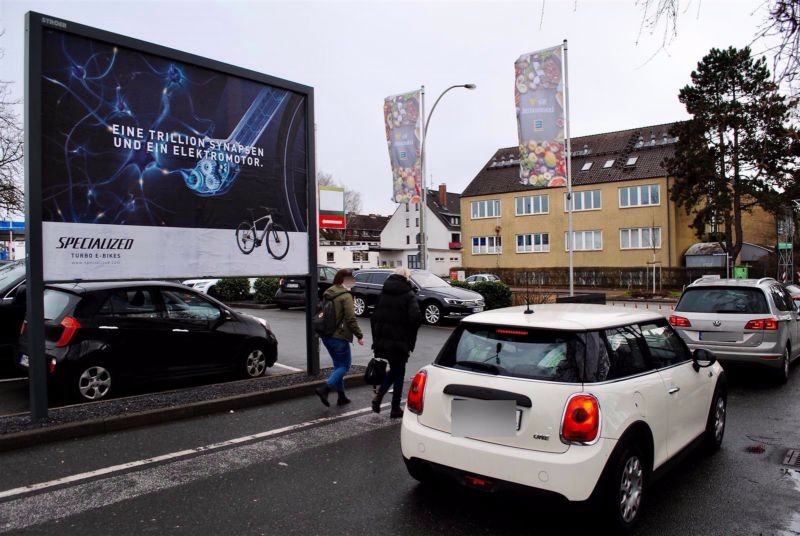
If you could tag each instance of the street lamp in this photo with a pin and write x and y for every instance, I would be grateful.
(423, 242)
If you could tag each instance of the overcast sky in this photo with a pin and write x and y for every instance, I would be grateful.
(356, 53)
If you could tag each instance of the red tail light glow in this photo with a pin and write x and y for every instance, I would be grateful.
(581, 419)
(71, 326)
(679, 321)
(416, 393)
(52, 365)
(22, 328)
(762, 323)
(280, 282)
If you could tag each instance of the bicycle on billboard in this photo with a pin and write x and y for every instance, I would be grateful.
(274, 236)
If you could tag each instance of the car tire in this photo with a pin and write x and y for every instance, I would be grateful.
(360, 305)
(91, 382)
(623, 492)
(254, 362)
(282, 306)
(717, 417)
(432, 313)
(782, 374)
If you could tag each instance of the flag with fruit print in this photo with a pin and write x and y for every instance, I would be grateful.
(401, 114)
(539, 96)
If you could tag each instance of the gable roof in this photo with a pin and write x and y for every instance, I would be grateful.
(452, 208)
(649, 145)
(367, 222)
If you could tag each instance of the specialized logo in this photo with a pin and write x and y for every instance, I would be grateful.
(74, 242)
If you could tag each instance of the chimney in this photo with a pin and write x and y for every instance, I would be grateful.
(443, 195)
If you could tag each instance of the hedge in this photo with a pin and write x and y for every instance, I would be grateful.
(233, 289)
(266, 287)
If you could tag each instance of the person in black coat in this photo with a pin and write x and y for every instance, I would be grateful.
(394, 334)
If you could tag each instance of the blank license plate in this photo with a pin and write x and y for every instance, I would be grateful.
(484, 418)
(720, 336)
(23, 360)
(477, 309)
(292, 285)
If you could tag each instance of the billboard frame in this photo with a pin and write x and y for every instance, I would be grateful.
(35, 24)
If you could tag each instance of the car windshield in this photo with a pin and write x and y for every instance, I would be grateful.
(9, 273)
(513, 351)
(428, 280)
(723, 300)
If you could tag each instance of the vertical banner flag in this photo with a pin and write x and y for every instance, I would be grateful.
(404, 137)
(331, 207)
(539, 96)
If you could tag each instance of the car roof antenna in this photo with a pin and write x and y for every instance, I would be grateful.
(528, 310)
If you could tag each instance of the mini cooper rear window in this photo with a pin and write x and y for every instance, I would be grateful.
(723, 300)
(515, 352)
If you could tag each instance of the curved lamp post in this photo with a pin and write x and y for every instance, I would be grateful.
(423, 242)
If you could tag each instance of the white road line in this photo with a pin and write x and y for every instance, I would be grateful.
(176, 455)
(287, 367)
(8, 380)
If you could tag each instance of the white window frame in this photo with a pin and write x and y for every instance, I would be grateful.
(583, 194)
(476, 206)
(580, 240)
(487, 245)
(529, 243)
(626, 195)
(638, 235)
(531, 201)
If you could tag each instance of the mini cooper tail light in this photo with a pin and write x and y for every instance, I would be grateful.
(71, 326)
(762, 323)
(581, 422)
(416, 393)
(52, 365)
(679, 321)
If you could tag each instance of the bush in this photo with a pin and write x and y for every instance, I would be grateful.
(233, 289)
(266, 287)
(496, 293)
(460, 284)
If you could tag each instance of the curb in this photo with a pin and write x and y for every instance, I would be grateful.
(116, 423)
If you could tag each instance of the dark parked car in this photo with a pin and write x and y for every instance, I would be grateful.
(98, 335)
(292, 291)
(12, 313)
(437, 299)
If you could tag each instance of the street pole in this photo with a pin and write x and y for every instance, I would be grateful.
(571, 239)
(423, 243)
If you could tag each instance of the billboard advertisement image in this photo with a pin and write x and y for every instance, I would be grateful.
(403, 121)
(156, 166)
(539, 97)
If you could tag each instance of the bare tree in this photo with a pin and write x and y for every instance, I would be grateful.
(12, 198)
(781, 32)
(352, 199)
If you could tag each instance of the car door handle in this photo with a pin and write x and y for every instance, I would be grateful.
(673, 390)
(109, 327)
(181, 330)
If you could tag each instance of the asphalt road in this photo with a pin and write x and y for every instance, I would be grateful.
(316, 470)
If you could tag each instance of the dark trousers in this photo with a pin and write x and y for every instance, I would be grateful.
(395, 377)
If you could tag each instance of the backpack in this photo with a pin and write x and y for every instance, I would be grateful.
(325, 320)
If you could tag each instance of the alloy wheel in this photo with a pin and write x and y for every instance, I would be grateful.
(256, 363)
(432, 313)
(94, 383)
(631, 485)
(786, 363)
(359, 306)
(719, 419)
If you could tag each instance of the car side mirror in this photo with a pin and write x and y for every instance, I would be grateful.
(227, 314)
(702, 358)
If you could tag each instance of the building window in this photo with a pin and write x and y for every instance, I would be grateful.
(408, 240)
(407, 223)
(455, 237)
(608, 164)
(486, 245)
(406, 207)
(417, 238)
(360, 256)
(413, 262)
(417, 223)
(534, 242)
(439, 259)
(533, 204)
(587, 166)
(453, 259)
(640, 238)
(585, 240)
(329, 256)
(639, 196)
(416, 207)
(486, 209)
(583, 200)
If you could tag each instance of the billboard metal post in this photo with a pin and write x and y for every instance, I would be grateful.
(312, 284)
(37, 369)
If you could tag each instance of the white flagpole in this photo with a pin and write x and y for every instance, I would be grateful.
(570, 239)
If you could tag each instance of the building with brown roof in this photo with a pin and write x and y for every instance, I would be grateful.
(356, 246)
(622, 215)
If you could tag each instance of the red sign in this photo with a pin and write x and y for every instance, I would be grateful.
(332, 221)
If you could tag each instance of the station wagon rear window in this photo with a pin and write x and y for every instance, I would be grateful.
(513, 351)
(723, 300)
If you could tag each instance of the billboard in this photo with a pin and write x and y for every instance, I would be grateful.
(403, 121)
(539, 98)
(159, 164)
(331, 207)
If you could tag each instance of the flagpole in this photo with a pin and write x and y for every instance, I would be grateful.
(570, 239)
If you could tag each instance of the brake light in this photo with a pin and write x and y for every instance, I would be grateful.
(679, 321)
(71, 326)
(52, 366)
(416, 393)
(22, 328)
(280, 282)
(762, 323)
(511, 331)
(581, 419)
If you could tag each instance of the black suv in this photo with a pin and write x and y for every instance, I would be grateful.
(437, 299)
(98, 335)
(292, 292)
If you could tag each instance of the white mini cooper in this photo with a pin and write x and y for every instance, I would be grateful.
(581, 401)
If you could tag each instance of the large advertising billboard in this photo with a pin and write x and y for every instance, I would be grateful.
(403, 122)
(158, 164)
(539, 96)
